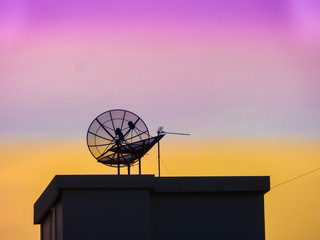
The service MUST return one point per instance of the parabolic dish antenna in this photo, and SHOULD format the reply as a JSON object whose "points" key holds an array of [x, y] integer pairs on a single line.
{"points": [[119, 138]]}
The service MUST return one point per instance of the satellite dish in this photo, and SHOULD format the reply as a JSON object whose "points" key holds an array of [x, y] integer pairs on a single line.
{"points": [[119, 138]]}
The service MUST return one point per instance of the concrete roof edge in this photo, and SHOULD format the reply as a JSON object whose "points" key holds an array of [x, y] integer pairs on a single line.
{"points": [[155, 184], [59, 182], [45, 201], [213, 184]]}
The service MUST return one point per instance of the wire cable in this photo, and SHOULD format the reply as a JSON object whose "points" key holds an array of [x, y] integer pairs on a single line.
{"points": [[165, 167], [302, 175]]}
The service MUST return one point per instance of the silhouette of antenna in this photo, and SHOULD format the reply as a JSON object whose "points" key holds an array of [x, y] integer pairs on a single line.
{"points": [[119, 138], [160, 132]]}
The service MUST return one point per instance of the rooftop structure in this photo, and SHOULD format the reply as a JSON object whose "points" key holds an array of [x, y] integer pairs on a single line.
{"points": [[146, 207]]}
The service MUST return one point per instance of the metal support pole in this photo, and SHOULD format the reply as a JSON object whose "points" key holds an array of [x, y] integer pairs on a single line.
{"points": [[159, 157], [139, 166], [128, 169], [118, 162]]}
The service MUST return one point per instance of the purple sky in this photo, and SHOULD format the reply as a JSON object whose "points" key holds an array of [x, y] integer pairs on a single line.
{"points": [[242, 68]]}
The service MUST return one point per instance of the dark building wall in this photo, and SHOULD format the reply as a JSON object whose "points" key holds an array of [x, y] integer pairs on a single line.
{"points": [[145, 207], [100, 214], [47, 227], [52, 223], [207, 216]]}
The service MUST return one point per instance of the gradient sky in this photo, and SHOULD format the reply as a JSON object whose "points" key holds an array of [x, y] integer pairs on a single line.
{"points": [[242, 77]]}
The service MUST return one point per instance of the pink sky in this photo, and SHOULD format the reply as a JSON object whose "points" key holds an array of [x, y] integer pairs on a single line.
{"points": [[213, 68], [243, 68]]}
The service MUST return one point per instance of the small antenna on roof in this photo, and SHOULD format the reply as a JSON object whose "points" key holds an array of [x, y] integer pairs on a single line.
{"points": [[161, 132]]}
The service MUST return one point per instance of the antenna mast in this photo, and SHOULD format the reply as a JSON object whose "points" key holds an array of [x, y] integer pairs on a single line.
{"points": [[159, 132]]}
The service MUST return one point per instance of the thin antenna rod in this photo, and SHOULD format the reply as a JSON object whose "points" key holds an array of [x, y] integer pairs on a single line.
{"points": [[185, 134]]}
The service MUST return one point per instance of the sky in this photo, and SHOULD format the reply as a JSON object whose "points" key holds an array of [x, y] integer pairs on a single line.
{"points": [[242, 77]]}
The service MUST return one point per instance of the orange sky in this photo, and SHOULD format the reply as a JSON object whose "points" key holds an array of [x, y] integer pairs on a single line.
{"points": [[291, 210]]}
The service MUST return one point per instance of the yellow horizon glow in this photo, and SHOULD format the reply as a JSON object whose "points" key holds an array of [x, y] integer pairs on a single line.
{"points": [[291, 210]]}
